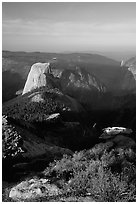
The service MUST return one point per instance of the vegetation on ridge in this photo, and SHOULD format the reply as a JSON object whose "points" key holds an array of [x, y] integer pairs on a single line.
{"points": [[23, 108], [101, 174], [104, 173]]}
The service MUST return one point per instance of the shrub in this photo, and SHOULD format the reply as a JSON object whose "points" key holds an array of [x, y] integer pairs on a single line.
{"points": [[91, 173], [100, 183]]}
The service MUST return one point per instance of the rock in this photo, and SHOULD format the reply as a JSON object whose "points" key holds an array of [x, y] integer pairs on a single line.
{"points": [[19, 92], [57, 73], [111, 132], [122, 63], [53, 117], [33, 189], [36, 97], [37, 77], [120, 136]]}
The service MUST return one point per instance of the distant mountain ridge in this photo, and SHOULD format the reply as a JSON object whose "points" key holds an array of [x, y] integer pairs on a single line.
{"points": [[16, 65]]}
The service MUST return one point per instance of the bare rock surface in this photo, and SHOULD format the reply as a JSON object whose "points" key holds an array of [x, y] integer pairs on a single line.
{"points": [[36, 77], [79, 78], [32, 189], [111, 132]]}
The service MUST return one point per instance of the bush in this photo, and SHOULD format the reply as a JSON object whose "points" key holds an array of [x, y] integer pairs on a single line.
{"points": [[101, 184], [105, 174]]}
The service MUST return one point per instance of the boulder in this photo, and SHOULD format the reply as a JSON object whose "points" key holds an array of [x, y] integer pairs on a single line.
{"points": [[120, 136], [33, 189], [111, 132], [54, 118]]}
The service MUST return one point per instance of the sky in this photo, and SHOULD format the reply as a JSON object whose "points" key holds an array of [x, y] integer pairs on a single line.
{"points": [[63, 27]]}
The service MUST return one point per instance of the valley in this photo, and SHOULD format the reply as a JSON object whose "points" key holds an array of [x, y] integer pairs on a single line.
{"points": [[55, 107]]}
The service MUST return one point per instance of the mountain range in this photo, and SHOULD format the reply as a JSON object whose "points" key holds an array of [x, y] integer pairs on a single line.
{"points": [[16, 65]]}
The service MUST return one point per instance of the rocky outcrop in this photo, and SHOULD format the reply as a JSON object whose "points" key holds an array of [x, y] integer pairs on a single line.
{"points": [[37, 77], [33, 189], [113, 131], [119, 136], [57, 72], [55, 117]]}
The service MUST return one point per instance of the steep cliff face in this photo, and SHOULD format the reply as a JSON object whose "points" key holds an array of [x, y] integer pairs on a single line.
{"points": [[131, 64], [83, 86], [80, 78], [37, 77], [129, 80]]}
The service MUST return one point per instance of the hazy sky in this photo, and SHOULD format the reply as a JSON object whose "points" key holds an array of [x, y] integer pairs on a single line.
{"points": [[58, 27]]}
